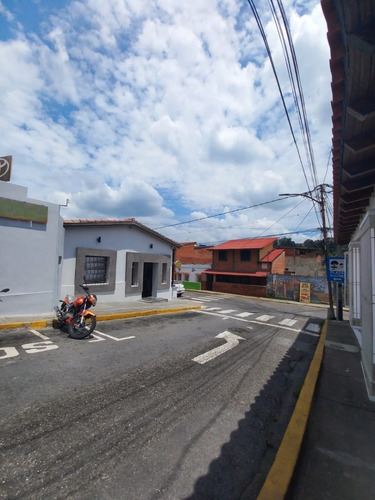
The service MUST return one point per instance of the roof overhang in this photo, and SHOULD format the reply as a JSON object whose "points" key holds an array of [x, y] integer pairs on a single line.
{"points": [[259, 274], [351, 37], [80, 223]]}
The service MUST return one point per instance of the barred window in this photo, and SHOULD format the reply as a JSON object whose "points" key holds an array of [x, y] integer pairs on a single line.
{"points": [[135, 274], [164, 273], [96, 269]]}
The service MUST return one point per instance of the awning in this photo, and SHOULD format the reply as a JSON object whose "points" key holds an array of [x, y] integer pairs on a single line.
{"points": [[258, 274]]}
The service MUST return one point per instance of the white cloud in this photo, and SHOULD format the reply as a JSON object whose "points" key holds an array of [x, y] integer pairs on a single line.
{"points": [[167, 107]]}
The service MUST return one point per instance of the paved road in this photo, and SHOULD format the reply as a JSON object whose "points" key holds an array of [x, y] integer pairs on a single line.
{"points": [[136, 411]]}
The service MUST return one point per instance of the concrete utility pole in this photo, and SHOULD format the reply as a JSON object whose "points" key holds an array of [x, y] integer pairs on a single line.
{"points": [[320, 201]]}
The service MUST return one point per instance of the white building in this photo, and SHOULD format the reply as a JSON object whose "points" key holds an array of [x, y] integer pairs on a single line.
{"points": [[44, 258], [31, 250], [121, 260]]}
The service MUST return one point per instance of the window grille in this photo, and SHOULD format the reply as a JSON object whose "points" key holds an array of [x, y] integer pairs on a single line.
{"points": [[135, 274], [96, 269]]}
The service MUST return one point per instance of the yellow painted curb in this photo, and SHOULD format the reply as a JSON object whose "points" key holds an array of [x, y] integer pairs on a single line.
{"points": [[279, 477], [103, 317], [135, 314]]}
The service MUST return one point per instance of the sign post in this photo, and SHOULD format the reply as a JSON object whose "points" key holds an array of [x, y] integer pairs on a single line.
{"points": [[336, 271]]}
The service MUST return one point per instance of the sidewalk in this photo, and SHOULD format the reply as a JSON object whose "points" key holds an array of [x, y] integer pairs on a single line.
{"points": [[328, 450], [107, 311], [337, 459]]}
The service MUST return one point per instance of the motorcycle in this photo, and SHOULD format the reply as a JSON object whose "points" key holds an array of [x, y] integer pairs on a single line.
{"points": [[74, 314]]}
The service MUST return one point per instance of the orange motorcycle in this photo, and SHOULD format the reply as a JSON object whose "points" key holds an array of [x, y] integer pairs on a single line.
{"points": [[74, 314]]}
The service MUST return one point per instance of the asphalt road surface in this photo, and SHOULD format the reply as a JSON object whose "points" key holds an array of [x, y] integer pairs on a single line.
{"points": [[190, 405]]}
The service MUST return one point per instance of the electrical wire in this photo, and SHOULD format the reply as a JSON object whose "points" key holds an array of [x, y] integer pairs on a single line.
{"points": [[218, 215]]}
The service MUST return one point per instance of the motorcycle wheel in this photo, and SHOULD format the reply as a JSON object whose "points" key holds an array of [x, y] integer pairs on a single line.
{"points": [[78, 330]]}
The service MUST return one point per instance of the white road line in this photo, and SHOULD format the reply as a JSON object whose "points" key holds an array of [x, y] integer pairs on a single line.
{"points": [[211, 308], [244, 315], [288, 322], [228, 311], [114, 338], [264, 317], [254, 321], [38, 334]]}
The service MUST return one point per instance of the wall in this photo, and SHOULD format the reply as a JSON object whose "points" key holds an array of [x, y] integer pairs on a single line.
{"points": [[190, 253], [362, 293], [31, 255], [278, 265], [122, 239], [234, 263], [288, 287], [248, 290]]}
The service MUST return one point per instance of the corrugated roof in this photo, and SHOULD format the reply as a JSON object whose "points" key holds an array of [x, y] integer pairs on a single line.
{"points": [[273, 255], [246, 243], [117, 222]]}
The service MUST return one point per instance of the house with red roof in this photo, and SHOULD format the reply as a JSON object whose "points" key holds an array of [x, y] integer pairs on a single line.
{"points": [[242, 266]]}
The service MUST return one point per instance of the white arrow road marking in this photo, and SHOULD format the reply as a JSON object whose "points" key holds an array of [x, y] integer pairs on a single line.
{"points": [[232, 341]]}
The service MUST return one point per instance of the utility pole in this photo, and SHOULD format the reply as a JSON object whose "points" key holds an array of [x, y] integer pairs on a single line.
{"points": [[320, 201]]}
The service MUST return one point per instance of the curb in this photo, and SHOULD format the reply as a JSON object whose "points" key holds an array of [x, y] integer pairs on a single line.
{"points": [[280, 475], [102, 317]]}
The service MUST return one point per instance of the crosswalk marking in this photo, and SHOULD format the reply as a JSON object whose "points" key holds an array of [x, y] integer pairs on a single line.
{"points": [[288, 322], [313, 327], [244, 315], [264, 317]]}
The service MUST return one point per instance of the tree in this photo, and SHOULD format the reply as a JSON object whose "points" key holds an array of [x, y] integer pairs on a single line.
{"points": [[285, 242]]}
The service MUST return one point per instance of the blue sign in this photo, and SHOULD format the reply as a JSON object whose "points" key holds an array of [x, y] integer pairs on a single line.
{"points": [[336, 269]]}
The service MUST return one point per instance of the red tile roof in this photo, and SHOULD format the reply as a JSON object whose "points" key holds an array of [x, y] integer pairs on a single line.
{"points": [[246, 243], [273, 255]]}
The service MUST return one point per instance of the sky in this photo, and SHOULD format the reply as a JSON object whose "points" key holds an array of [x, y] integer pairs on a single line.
{"points": [[168, 112]]}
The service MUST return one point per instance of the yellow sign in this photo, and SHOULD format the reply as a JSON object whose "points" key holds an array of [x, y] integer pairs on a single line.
{"points": [[178, 264], [304, 293]]}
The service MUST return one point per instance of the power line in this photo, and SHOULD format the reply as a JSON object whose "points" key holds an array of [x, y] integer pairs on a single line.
{"points": [[218, 215]]}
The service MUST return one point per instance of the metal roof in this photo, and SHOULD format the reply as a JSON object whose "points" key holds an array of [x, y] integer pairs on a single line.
{"points": [[351, 37]]}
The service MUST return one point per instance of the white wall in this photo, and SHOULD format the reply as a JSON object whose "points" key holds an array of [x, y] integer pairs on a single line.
{"points": [[122, 239], [362, 292], [29, 263]]}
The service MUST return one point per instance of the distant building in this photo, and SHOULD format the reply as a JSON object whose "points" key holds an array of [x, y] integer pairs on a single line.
{"points": [[301, 261], [191, 260], [242, 266]]}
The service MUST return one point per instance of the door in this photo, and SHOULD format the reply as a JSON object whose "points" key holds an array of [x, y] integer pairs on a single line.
{"points": [[147, 279]]}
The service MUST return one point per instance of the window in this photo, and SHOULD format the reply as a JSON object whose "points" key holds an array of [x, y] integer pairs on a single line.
{"points": [[222, 255], [245, 255], [96, 270], [164, 273], [135, 274]]}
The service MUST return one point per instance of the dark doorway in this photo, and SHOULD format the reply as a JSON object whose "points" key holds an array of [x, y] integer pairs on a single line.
{"points": [[209, 281], [147, 280]]}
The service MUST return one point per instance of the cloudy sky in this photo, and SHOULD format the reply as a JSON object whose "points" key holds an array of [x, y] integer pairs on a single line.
{"points": [[165, 111]]}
